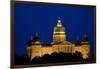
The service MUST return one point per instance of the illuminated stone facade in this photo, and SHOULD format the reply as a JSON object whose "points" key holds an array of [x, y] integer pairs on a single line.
{"points": [[36, 48]]}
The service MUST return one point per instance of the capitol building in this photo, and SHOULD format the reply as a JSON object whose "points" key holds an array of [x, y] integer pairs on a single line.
{"points": [[59, 44]]}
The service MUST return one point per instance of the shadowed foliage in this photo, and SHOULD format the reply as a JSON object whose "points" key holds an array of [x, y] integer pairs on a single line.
{"points": [[53, 58]]}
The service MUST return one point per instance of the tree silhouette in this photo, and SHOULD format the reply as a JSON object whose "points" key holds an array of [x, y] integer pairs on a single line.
{"points": [[53, 58]]}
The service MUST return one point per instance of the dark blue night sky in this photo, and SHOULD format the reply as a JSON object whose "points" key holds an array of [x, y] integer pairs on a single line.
{"points": [[29, 19]]}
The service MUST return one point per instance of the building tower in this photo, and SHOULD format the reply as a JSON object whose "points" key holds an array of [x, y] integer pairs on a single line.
{"points": [[34, 46], [59, 33], [85, 47], [78, 45]]}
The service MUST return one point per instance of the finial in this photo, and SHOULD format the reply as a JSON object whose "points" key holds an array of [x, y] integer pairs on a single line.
{"points": [[85, 38], [77, 38], [31, 37], [59, 18], [78, 42], [59, 22], [85, 35], [36, 34]]}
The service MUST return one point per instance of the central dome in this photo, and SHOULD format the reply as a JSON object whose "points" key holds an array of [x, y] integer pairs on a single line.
{"points": [[59, 35], [34, 41]]}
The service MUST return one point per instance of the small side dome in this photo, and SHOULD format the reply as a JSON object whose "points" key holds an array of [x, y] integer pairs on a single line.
{"points": [[85, 40], [34, 41], [78, 42]]}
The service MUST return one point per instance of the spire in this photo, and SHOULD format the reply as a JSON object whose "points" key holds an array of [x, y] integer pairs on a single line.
{"points": [[36, 38], [78, 42], [85, 38], [59, 22], [77, 38], [31, 37], [36, 34]]}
